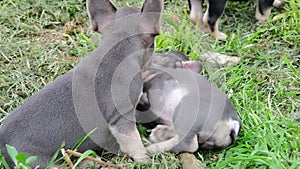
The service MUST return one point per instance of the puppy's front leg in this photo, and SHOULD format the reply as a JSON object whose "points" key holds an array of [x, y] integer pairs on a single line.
{"points": [[130, 141], [196, 13], [263, 10], [214, 10]]}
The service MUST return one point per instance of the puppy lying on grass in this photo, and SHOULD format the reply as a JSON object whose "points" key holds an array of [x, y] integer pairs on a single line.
{"points": [[191, 112]]}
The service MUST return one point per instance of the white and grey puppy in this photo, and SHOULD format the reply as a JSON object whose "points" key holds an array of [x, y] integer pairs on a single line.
{"points": [[84, 98], [191, 112], [172, 59]]}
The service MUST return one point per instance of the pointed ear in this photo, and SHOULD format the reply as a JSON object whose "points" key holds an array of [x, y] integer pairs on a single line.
{"points": [[101, 13], [152, 11], [195, 66]]}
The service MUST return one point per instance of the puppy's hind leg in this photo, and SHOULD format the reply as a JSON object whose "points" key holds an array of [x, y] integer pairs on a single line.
{"points": [[263, 10], [214, 10]]}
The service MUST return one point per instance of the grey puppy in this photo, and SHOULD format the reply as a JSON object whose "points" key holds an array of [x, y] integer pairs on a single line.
{"points": [[191, 112], [172, 59], [87, 97]]}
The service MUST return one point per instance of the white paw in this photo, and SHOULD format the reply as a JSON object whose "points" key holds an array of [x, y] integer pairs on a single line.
{"points": [[203, 28], [164, 145], [144, 159], [277, 3], [193, 17], [161, 133], [262, 18], [153, 148], [219, 35]]}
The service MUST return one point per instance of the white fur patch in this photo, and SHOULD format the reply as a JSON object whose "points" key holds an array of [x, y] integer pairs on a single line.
{"points": [[233, 124], [223, 130], [217, 34], [205, 21], [172, 99], [277, 3], [194, 145], [196, 12], [221, 135], [131, 144], [161, 133], [164, 145], [262, 18], [176, 97]]}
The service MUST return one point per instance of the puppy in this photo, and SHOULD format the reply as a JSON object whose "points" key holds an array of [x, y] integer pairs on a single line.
{"points": [[215, 8], [89, 96], [191, 112], [174, 60]]}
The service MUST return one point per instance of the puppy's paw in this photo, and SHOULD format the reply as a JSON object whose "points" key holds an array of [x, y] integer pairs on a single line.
{"points": [[154, 148], [144, 159], [277, 3], [203, 28], [163, 146], [219, 35], [262, 17], [161, 133], [193, 17]]}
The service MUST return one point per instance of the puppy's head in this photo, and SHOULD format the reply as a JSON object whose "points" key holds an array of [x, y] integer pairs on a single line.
{"points": [[175, 60], [128, 21], [225, 132]]}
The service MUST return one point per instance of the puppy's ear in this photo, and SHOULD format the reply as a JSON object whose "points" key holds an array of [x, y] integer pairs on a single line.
{"points": [[195, 66], [101, 13], [180, 55], [151, 17]]}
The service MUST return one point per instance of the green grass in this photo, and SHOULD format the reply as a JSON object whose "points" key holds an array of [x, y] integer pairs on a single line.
{"points": [[40, 40]]}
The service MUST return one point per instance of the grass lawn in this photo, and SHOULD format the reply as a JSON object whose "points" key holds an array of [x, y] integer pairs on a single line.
{"points": [[40, 40]]}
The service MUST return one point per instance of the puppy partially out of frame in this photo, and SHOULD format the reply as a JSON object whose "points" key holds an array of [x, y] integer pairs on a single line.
{"points": [[209, 22], [187, 111], [89, 96]]}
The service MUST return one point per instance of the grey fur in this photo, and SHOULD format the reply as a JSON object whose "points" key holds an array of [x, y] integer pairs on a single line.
{"points": [[189, 108], [79, 101]]}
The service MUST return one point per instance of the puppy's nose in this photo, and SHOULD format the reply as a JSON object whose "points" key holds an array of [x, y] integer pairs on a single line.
{"points": [[232, 134]]}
